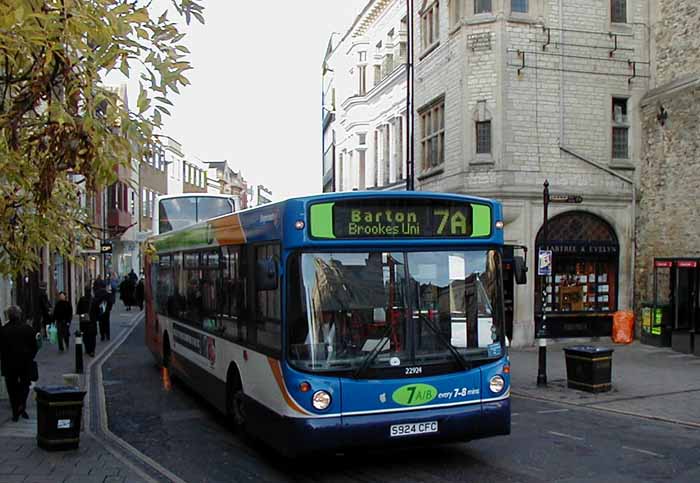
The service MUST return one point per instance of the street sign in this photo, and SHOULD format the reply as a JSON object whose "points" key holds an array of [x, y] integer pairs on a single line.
{"points": [[565, 198], [544, 263]]}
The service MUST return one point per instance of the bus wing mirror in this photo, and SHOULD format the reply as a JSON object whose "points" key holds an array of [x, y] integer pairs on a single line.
{"points": [[266, 275], [519, 270]]}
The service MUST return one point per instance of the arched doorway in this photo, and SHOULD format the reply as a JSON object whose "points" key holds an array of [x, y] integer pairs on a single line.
{"points": [[580, 296]]}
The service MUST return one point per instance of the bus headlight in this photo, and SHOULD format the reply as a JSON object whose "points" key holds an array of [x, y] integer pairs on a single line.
{"points": [[496, 384], [321, 400]]}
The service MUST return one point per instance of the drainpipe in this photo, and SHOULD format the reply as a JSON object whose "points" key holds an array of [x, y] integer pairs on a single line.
{"points": [[629, 181]]}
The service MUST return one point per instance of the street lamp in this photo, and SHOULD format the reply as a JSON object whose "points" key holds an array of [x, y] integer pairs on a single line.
{"points": [[410, 125]]}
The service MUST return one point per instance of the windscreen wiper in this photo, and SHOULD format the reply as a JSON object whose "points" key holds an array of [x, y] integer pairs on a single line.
{"points": [[441, 337], [375, 351]]}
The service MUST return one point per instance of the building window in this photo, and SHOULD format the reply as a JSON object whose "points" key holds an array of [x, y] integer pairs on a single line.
{"points": [[430, 25], [388, 65], [363, 56], [455, 12], [398, 147], [363, 79], [482, 6], [362, 139], [620, 129], [433, 135], [483, 137], [519, 6], [386, 153], [377, 74], [618, 11]]}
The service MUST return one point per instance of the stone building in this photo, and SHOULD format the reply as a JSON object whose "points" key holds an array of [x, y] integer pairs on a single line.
{"points": [[510, 93], [364, 97], [668, 232]]}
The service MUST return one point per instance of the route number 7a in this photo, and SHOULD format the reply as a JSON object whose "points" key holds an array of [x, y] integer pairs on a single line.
{"points": [[458, 222]]}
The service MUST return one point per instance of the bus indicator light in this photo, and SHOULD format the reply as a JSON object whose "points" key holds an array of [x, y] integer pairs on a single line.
{"points": [[499, 225], [304, 387], [299, 225]]}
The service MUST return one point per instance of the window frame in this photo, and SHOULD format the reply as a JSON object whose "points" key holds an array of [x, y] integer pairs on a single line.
{"points": [[520, 12], [618, 11], [430, 25], [484, 10], [479, 145], [622, 125], [431, 130]]}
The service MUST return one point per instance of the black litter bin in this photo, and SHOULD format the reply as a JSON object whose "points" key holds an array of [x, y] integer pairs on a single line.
{"points": [[59, 414], [589, 368]]}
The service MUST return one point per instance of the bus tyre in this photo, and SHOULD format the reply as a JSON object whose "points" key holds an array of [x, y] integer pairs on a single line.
{"points": [[235, 402]]}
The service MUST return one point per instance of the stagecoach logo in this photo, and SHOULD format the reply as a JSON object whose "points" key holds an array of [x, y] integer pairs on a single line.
{"points": [[382, 398], [395, 361]]}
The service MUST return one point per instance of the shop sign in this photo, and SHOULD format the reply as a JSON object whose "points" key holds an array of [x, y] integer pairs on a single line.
{"points": [[663, 264], [565, 198], [646, 319], [544, 263], [106, 247], [583, 249], [687, 264]]}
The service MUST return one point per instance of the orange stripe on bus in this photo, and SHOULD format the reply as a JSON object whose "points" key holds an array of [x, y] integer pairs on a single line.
{"points": [[277, 372]]}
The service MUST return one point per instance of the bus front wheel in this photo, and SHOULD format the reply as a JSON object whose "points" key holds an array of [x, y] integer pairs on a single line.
{"points": [[235, 401]]}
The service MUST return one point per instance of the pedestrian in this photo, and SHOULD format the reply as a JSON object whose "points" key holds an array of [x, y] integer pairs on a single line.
{"points": [[133, 277], [140, 293], [18, 348], [43, 310], [97, 306], [83, 311], [126, 292], [100, 307], [114, 286], [63, 315], [98, 281]]}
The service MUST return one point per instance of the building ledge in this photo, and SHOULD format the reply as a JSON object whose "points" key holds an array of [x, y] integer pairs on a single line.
{"points": [[431, 172], [429, 50], [622, 164]]}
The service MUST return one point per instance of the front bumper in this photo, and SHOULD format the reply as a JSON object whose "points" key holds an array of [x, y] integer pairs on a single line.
{"points": [[461, 423]]}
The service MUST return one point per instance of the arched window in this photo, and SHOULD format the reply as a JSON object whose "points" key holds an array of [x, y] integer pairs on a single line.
{"points": [[585, 259]]}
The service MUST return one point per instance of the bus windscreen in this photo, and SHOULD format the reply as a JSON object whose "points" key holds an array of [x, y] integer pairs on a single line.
{"points": [[399, 218]]}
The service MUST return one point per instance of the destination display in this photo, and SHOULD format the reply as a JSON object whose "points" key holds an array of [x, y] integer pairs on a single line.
{"points": [[393, 218]]}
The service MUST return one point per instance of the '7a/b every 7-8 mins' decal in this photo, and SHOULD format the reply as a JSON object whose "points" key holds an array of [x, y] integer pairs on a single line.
{"points": [[417, 394]]}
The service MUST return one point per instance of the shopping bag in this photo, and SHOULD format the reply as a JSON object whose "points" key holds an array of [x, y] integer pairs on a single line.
{"points": [[53, 334]]}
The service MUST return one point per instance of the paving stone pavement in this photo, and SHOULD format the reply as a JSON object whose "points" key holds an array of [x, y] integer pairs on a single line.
{"points": [[21, 460], [653, 382]]}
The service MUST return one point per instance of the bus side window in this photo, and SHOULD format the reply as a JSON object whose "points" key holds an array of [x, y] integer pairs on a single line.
{"points": [[232, 294], [268, 310]]}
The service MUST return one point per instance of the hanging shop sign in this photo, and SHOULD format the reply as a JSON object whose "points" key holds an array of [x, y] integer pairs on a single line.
{"points": [[544, 263]]}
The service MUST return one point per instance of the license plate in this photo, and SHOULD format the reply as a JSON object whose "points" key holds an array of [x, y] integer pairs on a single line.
{"points": [[409, 429]]}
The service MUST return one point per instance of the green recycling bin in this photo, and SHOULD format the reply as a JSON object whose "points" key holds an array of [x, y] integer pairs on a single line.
{"points": [[59, 416], [656, 325]]}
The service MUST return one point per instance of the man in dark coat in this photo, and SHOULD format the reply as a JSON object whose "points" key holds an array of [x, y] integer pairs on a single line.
{"points": [[43, 310], [18, 347], [140, 293], [99, 313], [63, 315]]}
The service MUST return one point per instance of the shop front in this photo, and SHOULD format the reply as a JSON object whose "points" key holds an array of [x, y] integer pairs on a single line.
{"points": [[580, 296], [675, 310]]}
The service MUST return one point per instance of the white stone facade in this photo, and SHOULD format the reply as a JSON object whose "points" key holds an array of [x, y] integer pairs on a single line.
{"points": [[547, 88], [369, 100], [543, 82]]}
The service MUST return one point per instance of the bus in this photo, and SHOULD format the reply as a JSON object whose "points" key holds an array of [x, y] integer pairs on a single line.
{"points": [[340, 320]]}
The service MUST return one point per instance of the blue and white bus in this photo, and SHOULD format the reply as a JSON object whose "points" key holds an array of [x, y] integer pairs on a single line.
{"points": [[339, 320]]}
